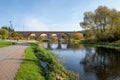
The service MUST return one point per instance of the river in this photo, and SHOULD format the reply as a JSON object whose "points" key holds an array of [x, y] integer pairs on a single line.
{"points": [[91, 63]]}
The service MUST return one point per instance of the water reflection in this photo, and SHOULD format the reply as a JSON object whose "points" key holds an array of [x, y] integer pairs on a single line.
{"points": [[76, 46], [104, 62], [62, 46], [90, 62]]}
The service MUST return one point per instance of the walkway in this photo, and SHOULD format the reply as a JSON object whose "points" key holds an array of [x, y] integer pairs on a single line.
{"points": [[10, 58]]}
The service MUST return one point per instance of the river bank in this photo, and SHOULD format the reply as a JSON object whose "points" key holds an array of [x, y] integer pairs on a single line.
{"points": [[55, 70], [102, 44], [115, 45], [46, 66]]}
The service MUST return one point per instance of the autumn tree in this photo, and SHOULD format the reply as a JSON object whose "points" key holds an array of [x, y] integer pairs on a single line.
{"points": [[88, 24], [16, 36], [32, 37], [43, 38], [77, 36], [104, 22]]}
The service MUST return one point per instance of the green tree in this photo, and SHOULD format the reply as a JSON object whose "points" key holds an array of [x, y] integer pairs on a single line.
{"points": [[8, 28], [4, 33]]}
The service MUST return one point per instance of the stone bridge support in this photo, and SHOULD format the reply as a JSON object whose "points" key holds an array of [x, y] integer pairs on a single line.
{"points": [[48, 36], [69, 39], [59, 41], [37, 37]]}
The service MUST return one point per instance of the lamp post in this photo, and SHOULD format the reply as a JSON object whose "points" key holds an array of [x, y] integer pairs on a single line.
{"points": [[10, 29]]}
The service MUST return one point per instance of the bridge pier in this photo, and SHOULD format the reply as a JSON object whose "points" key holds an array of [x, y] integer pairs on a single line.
{"points": [[48, 45], [59, 44], [59, 41], [68, 45], [37, 36], [69, 41], [48, 37]]}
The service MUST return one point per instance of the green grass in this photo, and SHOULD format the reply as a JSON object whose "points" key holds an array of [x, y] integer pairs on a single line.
{"points": [[30, 68], [102, 44], [4, 44]]}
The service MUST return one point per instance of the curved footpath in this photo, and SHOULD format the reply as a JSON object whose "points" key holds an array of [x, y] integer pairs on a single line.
{"points": [[10, 59]]}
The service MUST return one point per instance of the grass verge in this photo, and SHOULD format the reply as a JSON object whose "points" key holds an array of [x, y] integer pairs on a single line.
{"points": [[4, 44], [30, 68], [56, 70], [102, 44]]}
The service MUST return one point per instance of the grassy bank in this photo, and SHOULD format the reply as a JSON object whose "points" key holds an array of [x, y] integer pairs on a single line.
{"points": [[102, 44], [4, 44], [55, 70], [30, 68]]}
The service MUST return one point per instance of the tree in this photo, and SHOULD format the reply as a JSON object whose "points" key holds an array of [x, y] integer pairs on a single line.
{"points": [[4, 33], [0, 36], [88, 22], [64, 38], [96, 20], [104, 22], [8, 28], [77, 36], [32, 37], [16, 36], [54, 38], [43, 38]]}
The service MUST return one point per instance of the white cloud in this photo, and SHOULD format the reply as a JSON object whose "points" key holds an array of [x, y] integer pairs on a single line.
{"points": [[33, 24]]}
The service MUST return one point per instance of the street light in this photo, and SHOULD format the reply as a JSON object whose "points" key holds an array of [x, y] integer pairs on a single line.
{"points": [[10, 29]]}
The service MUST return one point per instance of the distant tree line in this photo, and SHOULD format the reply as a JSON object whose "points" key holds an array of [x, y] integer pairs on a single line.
{"points": [[8, 28], [102, 25], [9, 33]]}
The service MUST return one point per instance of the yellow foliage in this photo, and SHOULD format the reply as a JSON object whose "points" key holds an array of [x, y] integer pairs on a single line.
{"points": [[77, 36]]}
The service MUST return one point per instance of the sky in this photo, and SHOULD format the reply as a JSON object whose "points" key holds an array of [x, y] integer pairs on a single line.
{"points": [[49, 15]]}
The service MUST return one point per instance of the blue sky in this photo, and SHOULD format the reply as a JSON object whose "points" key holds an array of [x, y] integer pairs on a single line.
{"points": [[48, 15]]}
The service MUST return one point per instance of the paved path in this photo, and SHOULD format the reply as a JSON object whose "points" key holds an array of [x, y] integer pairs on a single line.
{"points": [[10, 59]]}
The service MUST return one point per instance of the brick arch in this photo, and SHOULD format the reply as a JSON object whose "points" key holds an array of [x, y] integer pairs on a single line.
{"points": [[36, 34], [68, 35], [28, 34], [48, 33]]}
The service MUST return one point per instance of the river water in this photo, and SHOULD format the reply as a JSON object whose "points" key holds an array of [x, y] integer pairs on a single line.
{"points": [[91, 63]]}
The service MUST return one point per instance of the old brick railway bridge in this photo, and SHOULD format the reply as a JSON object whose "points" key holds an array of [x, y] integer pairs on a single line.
{"points": [[26, 34]]}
